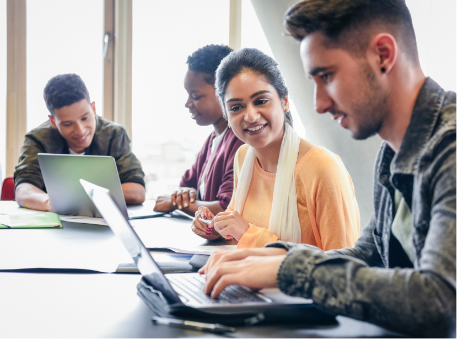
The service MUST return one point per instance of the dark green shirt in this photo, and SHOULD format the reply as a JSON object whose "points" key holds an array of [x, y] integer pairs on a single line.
{"points": [[110, 139]]}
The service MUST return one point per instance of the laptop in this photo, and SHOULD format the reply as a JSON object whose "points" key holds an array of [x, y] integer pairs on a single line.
{"points": [[184, 289], [61, 174]]}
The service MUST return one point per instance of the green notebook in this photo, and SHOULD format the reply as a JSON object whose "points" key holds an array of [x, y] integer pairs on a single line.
{"points": [[32, 220]]}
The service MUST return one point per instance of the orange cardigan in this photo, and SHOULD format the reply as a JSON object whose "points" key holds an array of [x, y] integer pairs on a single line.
{"points": [[327, 208]]}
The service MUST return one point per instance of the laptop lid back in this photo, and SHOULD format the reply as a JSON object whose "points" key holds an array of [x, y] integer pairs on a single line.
{"points": [[126, 234], [61, 174]]}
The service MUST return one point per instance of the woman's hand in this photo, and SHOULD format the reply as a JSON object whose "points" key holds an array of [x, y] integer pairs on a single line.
{"points": [[183, 196], [252, 272], [230, 225], [219, 257], [200, 228]]}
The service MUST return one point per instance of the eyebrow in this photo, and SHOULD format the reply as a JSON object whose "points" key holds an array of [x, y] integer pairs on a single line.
{"points": [[316, 70], [82, 116], [252, 96]]}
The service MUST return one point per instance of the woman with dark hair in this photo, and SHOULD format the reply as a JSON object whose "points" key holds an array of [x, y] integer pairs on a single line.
{"points": [[209, 182], [285, 187]]}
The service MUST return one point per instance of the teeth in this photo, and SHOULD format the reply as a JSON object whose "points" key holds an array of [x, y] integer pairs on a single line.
{"points": [[255, 128], [340, 118]]}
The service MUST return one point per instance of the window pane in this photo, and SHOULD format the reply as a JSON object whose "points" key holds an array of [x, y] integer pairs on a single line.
{"points": [[252, 36], [165, 138], [2, 90], [63, 36]]}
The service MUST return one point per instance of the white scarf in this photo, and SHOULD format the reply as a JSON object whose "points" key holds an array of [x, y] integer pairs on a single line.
{"points": [[284, 220]]}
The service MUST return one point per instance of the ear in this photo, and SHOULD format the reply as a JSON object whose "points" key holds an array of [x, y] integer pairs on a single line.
{"points": [[285, 103], [53, 122], [93, 107], [384, 49]]}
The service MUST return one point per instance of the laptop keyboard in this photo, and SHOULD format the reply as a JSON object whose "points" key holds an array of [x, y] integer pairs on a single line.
{"points": [[190, 286]]}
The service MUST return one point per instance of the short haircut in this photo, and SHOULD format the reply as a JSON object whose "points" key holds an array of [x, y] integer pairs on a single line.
{"points": [[64, 90], [207, 59], [348, 24], [250, 59]]}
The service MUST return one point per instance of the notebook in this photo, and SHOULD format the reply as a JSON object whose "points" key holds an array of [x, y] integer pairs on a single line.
{"points": [[31, 220]]}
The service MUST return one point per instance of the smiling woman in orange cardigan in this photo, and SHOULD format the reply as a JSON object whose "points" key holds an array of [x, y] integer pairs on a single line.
{"points": [[327, 208]]}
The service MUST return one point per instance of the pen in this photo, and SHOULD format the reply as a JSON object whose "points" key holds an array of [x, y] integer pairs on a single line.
{"points": [[193, 325]]}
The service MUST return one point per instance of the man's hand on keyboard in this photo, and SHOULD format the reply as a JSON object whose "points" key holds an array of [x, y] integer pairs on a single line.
{"points": [[255, 272], [220, 257]]}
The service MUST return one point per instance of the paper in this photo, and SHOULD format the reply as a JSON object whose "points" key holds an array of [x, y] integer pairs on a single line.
{"points": [[207, 250], [73, 247], [83, 220]]}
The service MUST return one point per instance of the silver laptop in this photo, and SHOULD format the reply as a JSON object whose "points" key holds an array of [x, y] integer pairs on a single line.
{"points": [[179, 288], [61, 174]]}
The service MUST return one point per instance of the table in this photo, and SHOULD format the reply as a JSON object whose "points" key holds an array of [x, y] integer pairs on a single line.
{"points": [[106, 305], [56, 303]]}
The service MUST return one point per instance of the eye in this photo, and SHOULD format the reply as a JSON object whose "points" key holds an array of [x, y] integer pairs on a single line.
{"points": [[196, 97], [261, 101], [325, 77], [66, 124], [235, 108]]}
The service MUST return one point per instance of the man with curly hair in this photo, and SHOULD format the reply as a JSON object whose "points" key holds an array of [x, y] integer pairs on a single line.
{"points": [[210, 180], [74, 128], [401, 274]]}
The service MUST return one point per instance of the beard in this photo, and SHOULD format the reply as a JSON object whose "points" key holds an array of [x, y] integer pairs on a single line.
{"points": [[370, 111]]}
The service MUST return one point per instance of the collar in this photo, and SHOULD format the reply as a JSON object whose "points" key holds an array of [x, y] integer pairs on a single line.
{"points": [[423, 120]]}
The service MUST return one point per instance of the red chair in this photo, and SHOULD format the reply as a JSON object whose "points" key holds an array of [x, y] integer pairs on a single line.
{"points": [[8, 189]]}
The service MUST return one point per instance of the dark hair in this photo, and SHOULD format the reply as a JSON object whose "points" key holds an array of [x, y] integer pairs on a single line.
{"points": [[207, 59], [348, 24], [250, 59], [64, 90]]}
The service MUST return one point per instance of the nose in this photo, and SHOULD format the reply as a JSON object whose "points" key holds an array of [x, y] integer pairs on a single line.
{"points": [[188, 102], [79, 129], [322, 101], [251, 114]]}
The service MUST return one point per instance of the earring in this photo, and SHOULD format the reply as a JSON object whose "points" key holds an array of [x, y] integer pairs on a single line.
{"points": [[229, 125], [383, 69]]}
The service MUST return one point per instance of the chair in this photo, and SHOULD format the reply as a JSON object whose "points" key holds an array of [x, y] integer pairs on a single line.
{"points": [[8, 189]]}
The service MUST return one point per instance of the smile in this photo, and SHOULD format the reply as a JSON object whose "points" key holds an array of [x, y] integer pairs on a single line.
{"points": [[256, 129]]}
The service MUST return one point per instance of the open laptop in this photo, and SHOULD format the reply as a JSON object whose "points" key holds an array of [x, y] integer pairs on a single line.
{"points": [[181, 288], [61, 174]]}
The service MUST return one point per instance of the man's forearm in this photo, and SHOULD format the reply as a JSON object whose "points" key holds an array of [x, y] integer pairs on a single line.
{"points": [[30, 196], [406, 300], [134, 193]]}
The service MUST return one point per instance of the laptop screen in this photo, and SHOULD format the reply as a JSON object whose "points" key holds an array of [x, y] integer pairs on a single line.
{"points": [[127, 235]]}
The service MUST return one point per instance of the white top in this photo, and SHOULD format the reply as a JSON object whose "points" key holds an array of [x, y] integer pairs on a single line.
{"points": [[214, 146], [74, 153]]}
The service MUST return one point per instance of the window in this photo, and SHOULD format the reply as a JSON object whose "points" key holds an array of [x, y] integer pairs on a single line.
{"points": [[252, 36], [165, 138], [2, 91], [63, 37]]}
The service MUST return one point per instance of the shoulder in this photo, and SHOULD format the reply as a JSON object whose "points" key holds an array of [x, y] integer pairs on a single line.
{"points": [[241, 154], [319, 162], [42, 131], [108, 128]]}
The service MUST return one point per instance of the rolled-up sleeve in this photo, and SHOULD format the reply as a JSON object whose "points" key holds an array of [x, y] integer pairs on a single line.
{"points": [[28, 169], [128, 166]]}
